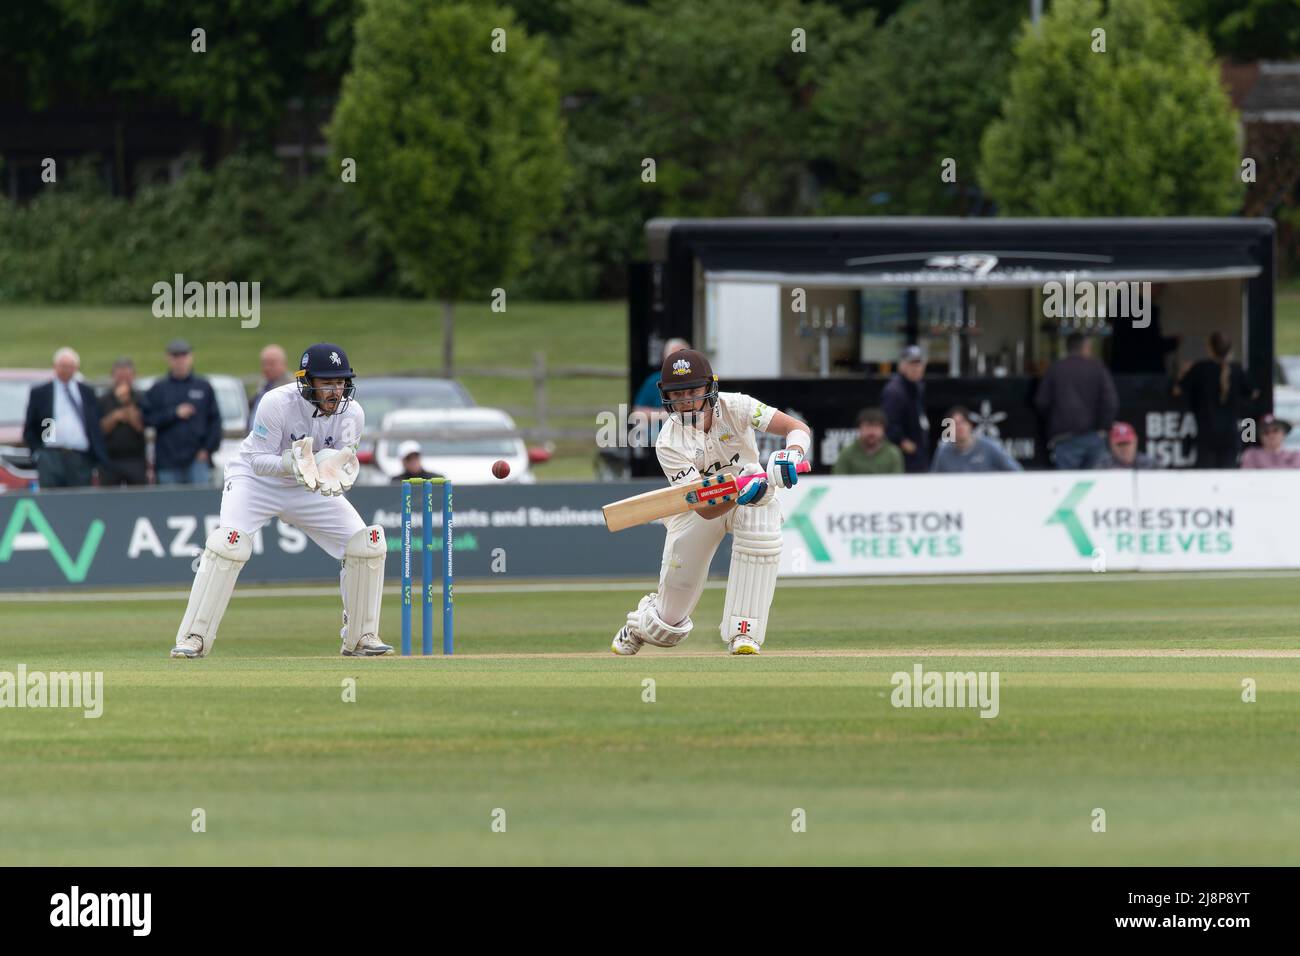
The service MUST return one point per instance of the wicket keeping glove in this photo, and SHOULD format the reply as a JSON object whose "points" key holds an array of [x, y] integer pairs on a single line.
{"points": [[338, 470], [299, 462]]}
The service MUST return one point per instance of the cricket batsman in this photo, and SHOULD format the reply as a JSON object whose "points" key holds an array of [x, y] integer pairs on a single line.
{"points": [[709, 432], [296, 463]]}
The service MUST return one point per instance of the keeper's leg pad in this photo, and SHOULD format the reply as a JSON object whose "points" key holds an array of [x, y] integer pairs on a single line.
{"points": [[646, 624], [751, 582], [362, 584], [224, 555]]}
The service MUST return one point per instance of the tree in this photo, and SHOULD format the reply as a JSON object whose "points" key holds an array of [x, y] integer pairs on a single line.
{"points": [[458, 149], [1246, 30], [712, 93], [1143, 129], [922, 89], [258, 54]]}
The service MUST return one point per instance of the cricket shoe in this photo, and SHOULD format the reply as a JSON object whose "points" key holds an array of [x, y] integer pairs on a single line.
{"points": [[625, 644], [744, 645], [188, 647], [368, 646]]}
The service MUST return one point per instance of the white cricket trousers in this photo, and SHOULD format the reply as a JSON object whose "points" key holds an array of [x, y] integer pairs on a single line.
{"points": [[248, 504], [688, 551]]}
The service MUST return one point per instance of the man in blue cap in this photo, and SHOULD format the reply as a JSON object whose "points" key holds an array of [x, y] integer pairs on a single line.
{"points": [[903, 401], [181, 408]]}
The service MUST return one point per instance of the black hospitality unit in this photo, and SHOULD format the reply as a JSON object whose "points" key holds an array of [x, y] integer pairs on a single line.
{"points": [[809, 314]]}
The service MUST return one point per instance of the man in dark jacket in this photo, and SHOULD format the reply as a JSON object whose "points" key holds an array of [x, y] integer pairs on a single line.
{"points": [[903, 401], [61, 428], [1141, 350], [182, 409], [1078, 402]]}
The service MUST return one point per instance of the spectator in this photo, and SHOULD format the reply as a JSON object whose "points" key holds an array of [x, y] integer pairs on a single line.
{"points": [[412, 466], [968, 452], [903, 399], [1123, 450], [1269, 453], [182, 408], [275, 372], [1142, 350], [872, 453], [1078, 402], [62, 427], [647, 397], [1216, 390], [648, 413], [123, 428]]}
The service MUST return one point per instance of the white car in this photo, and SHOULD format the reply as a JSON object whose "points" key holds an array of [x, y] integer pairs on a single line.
{"points": [[1287, 370], [457, 443]]}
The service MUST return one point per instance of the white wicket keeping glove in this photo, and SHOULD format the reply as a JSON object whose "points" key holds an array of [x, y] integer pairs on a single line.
{"points": [[338, 470], [781, 467], [299, 461], [756, 490]]}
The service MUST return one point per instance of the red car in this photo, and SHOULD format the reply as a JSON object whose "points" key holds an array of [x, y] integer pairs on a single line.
{"points": [[16, 468]]}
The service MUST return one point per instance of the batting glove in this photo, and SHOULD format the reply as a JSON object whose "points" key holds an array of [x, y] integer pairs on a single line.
{"points": [[781, 467], [756, 489]]}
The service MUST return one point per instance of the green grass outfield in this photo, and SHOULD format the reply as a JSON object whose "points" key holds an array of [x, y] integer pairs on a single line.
{"points": [[534, 716]]}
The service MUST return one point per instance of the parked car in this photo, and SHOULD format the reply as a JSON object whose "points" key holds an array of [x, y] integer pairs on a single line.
{"points": [[384, 394], [1286, 370], [17, 470], [232, 406], [461, 444], [15, 385]]}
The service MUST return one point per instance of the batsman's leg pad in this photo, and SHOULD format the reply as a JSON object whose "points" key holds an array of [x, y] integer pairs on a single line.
{"points": [[646, 624], [751, 582], [224, 555], [362, 583]]}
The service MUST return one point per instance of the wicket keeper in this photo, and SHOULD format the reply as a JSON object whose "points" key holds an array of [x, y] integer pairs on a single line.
{"points": [[296, 463], [708, 432]]}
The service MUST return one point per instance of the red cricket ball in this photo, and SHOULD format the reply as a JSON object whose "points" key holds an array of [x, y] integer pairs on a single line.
{"points": [[500, 468]]}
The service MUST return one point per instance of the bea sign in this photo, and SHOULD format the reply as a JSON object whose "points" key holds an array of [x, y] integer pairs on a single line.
{"points": [[1166, 434]]}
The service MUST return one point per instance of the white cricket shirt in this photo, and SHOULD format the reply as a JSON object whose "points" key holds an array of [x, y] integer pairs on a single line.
{"points": [[283, 417], [686, 453]]}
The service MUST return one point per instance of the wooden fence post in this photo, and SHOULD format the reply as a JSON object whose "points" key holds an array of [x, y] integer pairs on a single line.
{"points": [[539, 386]]}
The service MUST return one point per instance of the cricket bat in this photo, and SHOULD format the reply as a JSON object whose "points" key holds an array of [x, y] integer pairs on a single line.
{"points": [[707, 492]]}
